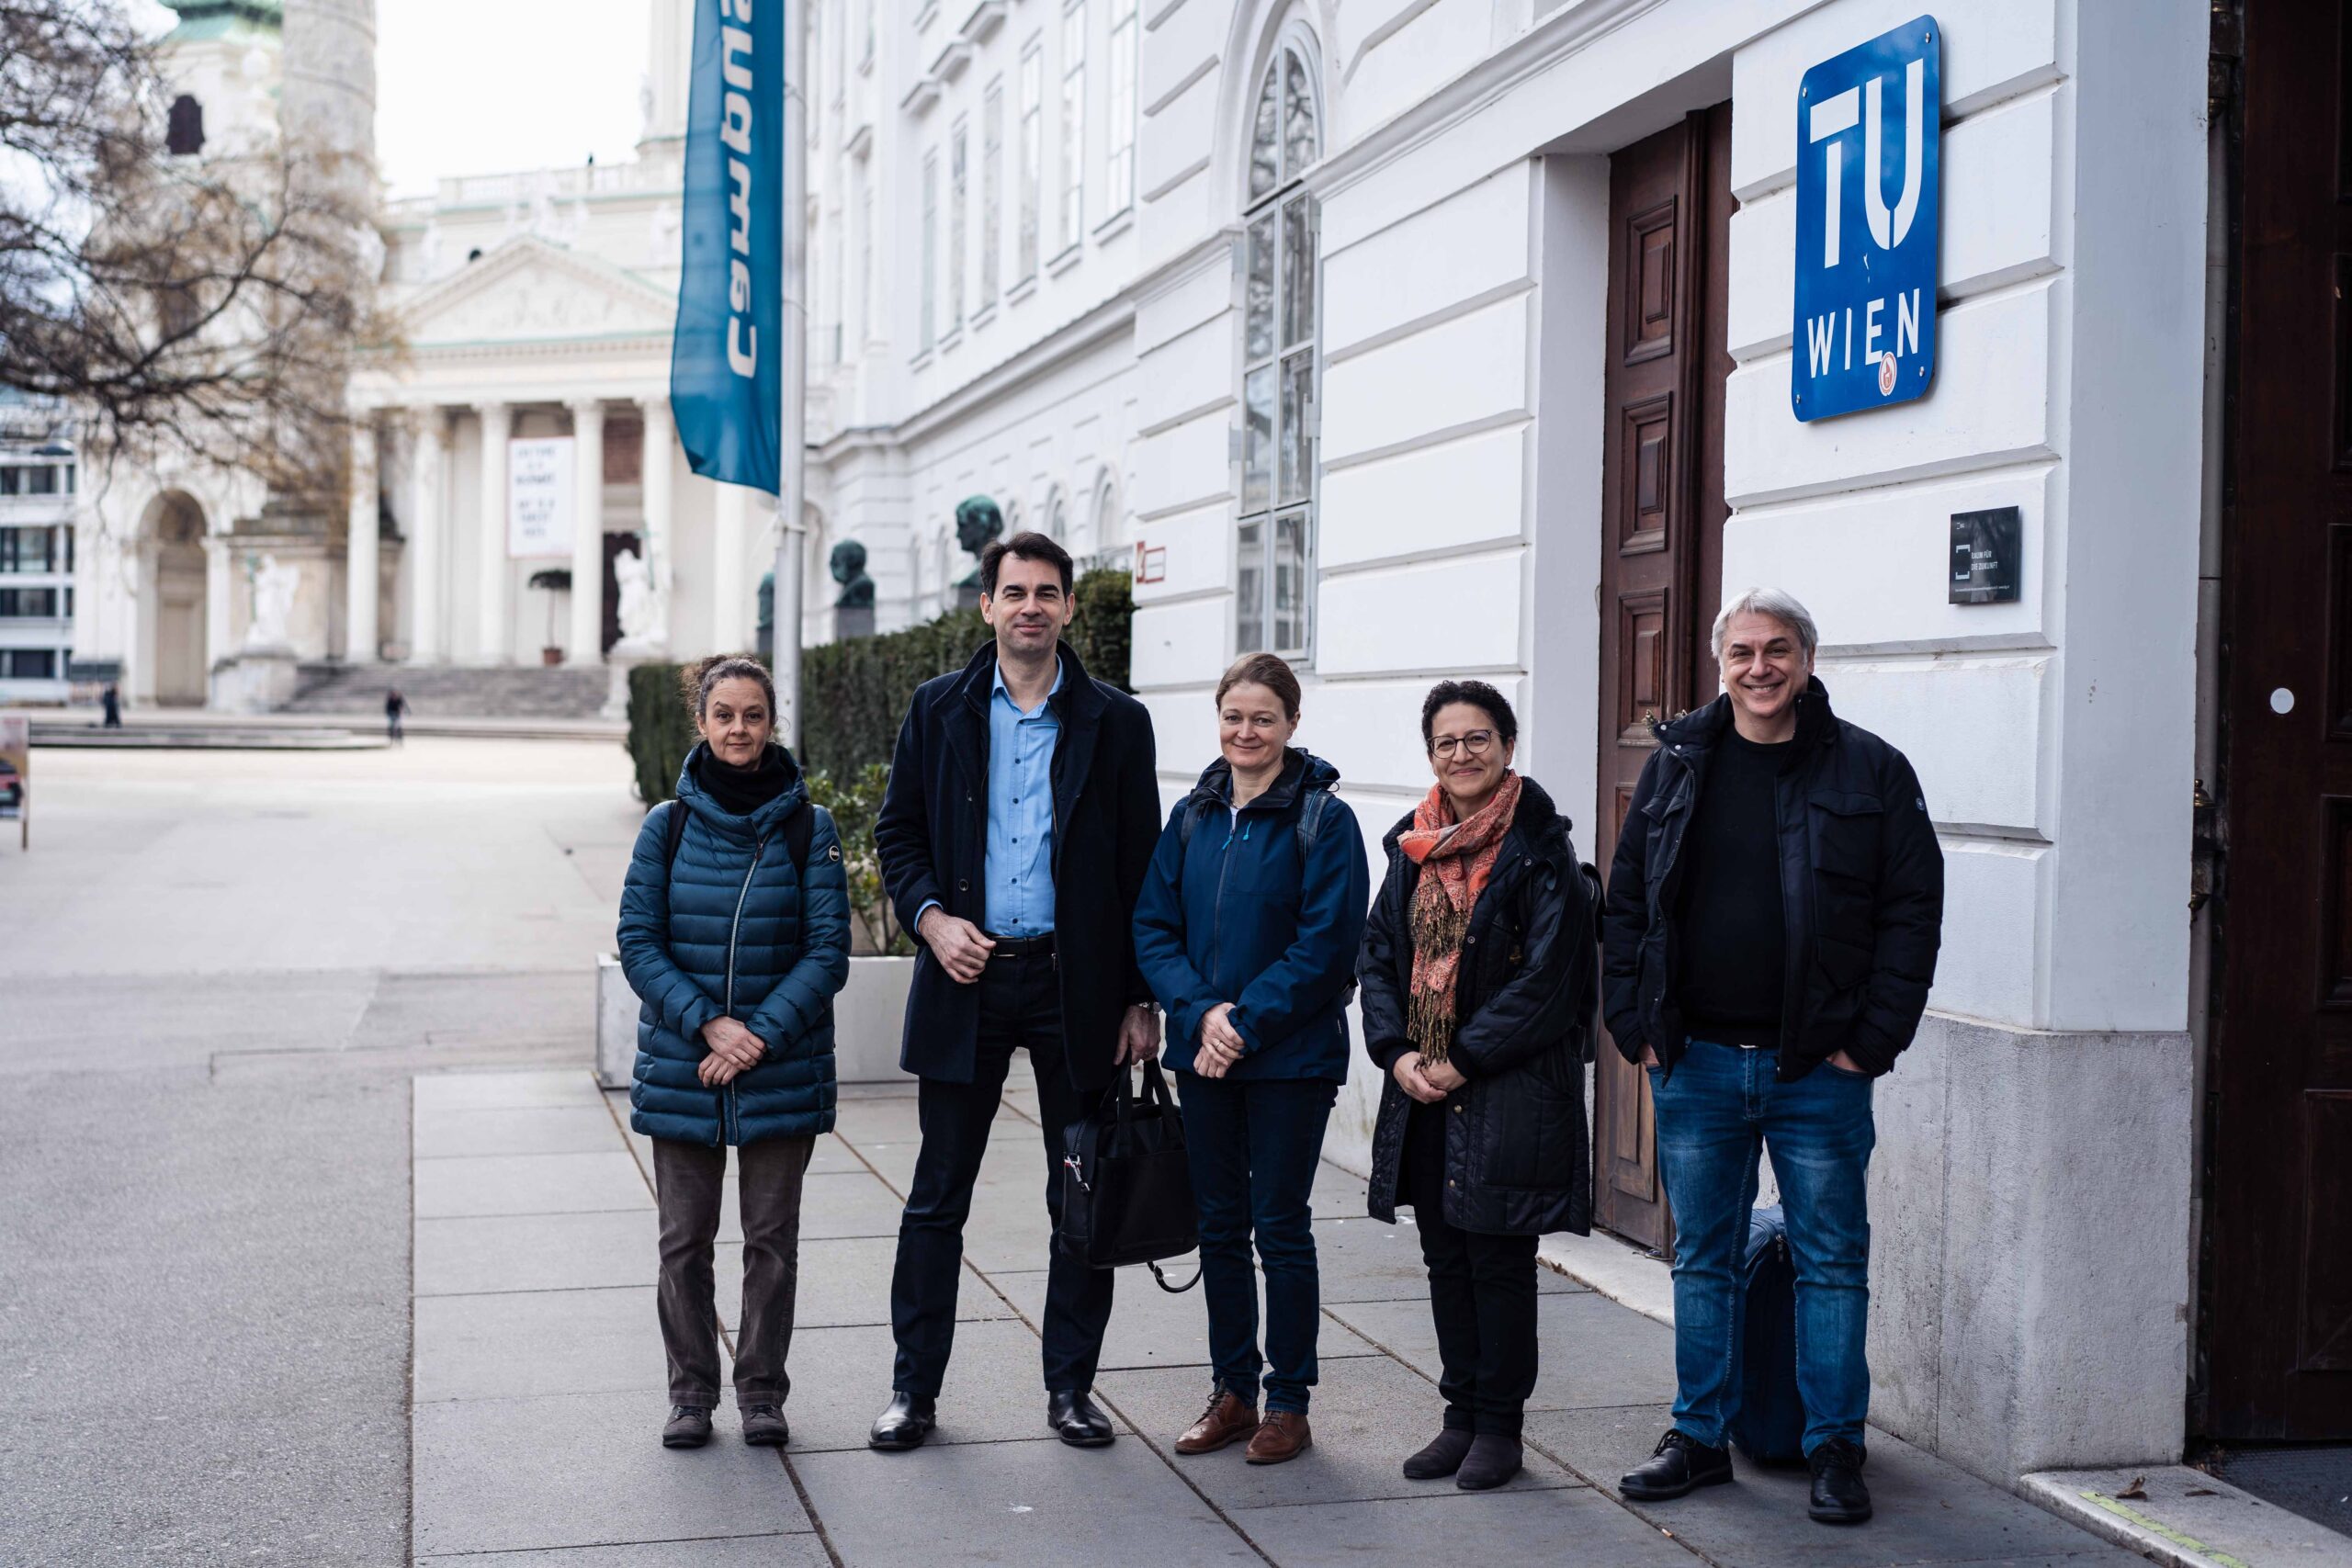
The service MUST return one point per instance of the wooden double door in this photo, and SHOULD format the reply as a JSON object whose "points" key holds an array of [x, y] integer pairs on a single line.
{"points": [[2276, 1332], [1661, 547]]}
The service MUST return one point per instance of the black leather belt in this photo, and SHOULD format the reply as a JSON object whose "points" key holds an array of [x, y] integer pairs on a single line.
{"points": [[1021, 946]]}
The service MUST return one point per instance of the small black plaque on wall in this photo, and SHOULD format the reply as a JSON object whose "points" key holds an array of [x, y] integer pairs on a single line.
{"points": [[1984, 549]]}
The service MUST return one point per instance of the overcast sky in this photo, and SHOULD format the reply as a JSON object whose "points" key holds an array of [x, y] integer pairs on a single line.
{"points": [[485, 87]]}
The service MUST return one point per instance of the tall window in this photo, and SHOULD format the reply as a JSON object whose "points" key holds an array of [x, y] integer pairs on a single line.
{"points": [[1119, 157], [991, 190], [1073, 124], [1032, 109], [864, 260], [958, 161], [1276, 553], [930, 333]]}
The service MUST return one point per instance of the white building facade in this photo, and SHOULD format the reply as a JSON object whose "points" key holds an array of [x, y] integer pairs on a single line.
{"points": [[39, 481], [1419, 338]]}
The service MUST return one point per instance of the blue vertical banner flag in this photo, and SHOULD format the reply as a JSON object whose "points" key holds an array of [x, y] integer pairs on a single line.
{"points": [[1870, 132], [727, 358]]}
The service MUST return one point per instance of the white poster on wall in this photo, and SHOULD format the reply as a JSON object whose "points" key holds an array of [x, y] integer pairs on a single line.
{"points": [[538, 498]]}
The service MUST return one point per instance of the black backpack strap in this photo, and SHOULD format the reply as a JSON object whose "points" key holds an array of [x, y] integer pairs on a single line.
{"points": [[799, 831], [674, 832]]}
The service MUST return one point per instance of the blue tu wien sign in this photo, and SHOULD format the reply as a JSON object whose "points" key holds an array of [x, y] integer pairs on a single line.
{"points": [[1869, 138]]}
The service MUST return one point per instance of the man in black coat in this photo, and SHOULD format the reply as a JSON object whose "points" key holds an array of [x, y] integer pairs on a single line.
{"points": [[1774, 911], [1022, 814]]}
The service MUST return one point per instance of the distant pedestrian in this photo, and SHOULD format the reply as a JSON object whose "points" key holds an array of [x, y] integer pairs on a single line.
{"points": [[1246, 931], [395, 706], [1023, 808], [1479, 979], [111, 700], [1774, 911], [734, 934]]}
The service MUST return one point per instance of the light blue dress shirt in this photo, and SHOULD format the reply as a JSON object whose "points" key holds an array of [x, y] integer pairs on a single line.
{"points": [[1020, 870]]}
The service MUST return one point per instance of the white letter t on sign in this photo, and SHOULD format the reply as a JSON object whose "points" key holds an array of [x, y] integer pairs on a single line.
{"points": [[1831, 118]]}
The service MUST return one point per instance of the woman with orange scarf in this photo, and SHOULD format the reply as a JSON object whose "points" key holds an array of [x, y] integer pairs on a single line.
{"points": [[1479, 973]]}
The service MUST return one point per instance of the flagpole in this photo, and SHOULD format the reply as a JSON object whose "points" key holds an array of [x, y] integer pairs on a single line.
{"points": [[791, 507]]}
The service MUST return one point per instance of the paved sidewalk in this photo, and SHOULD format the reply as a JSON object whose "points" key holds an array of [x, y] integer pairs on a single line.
{"points": [[538, 1392]]}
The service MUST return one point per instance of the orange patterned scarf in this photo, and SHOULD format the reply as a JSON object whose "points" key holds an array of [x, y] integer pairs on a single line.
{"points": [[1456, 859]]}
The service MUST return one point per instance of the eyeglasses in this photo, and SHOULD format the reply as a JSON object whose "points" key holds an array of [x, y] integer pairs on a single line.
{"points": [[1477, 743]]}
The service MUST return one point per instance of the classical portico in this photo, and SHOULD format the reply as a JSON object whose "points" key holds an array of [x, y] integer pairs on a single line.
{"points": [[536, 342]]}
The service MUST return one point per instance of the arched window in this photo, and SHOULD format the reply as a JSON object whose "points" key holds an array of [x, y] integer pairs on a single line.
{"points": [[1274, 583], [1110, 530], [184, 131]]}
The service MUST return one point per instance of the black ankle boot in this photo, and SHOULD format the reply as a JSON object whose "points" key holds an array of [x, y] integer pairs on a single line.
{"points": [[1494, 1458], [1443, 1457], [1680, 1462]]}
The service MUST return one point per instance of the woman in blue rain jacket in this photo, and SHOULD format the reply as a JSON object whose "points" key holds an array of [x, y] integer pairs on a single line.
{"points": [[1247, 931], [734, 934]]}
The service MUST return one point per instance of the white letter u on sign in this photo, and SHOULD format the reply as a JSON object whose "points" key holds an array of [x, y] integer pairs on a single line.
{"points": [[1888, 228]]}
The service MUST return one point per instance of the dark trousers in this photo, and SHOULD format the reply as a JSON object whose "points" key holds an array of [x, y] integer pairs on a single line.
{"points": [[1252, 1145], [1482, 1293], [1020, 1010], [688, 1181]]}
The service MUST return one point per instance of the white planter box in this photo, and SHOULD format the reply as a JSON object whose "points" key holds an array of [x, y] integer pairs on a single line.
{"points": [[868, 1016], [869, 1020]]}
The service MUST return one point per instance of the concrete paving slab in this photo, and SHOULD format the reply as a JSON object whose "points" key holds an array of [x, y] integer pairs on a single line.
{"points": [[726, 1551], [1150, 1327], [535, 1252], [1364, 1260], [845, 1283], [1369, 1413], [1925, 1510], [441, 1133], [1337, 1194], [506, 1091], [584, 1469], [1031, 1502], [1562, 1524], [529, 1184], [994, 1391], [2186, 1518], [481, 1009], [896, 1119], [538, 1342], [849, 1204], [1591, 1352]]}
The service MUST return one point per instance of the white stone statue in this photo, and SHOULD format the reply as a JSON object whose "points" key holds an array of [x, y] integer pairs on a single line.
{"points": [[274, 584], [643, 615]]}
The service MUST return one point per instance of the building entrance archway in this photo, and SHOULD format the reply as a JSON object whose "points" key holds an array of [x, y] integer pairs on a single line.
{"points": [[173, 567]]}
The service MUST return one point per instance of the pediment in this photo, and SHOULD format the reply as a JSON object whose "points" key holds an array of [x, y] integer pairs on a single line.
{"points": [[530, 291]]}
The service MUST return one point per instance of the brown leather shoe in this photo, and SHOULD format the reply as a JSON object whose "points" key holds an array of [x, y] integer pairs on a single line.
{"points": [[1226, 1421], [1282, 1436]]}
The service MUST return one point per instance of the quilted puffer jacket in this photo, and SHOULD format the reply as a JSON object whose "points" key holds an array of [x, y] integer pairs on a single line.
{"points": [[733, 926]]}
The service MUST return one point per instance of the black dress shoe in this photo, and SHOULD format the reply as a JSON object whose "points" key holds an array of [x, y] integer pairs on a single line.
{"points": [[1493, 1459], [765, 1426], [1839, 1495], [904, 1423], [1681, 1461], [1075, 1420], [1441, 1456]]}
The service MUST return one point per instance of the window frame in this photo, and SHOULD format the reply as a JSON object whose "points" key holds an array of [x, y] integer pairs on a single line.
{"points": [[992, 195], [1266, 507], [1027, 255], [959, 177], [927, 331], [1071, 128]]}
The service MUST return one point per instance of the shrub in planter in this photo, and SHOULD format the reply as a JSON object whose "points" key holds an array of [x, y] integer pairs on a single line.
{"points": [[661, 730], [854, 801]]}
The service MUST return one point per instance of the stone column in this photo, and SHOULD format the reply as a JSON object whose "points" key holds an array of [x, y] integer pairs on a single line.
{"points": [[731, 630], [428, 527], [587, 641], [658, 474], [220, 585], [362, 572], [497, 423]]}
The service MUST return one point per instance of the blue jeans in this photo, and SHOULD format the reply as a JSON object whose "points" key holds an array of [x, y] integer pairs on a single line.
{"points": [[1713, 1114], [1254, 1145]]}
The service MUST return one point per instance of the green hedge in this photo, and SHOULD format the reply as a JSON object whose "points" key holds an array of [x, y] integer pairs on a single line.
{"points": [[855, 694]]}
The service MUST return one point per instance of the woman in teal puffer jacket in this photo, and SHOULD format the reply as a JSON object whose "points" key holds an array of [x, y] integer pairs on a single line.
{"points": [[734, 934]]}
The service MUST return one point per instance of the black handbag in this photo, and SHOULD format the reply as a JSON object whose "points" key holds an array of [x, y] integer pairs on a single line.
{"points": [[1127, 1185]]}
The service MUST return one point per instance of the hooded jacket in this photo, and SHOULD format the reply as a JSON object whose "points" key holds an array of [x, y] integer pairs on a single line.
{"points": [[1862, 893], [1240, 916], [1518, 1161], [730, 927]]}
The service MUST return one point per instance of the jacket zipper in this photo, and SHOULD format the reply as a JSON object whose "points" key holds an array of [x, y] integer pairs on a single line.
{"points": [[727, 1107]]}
